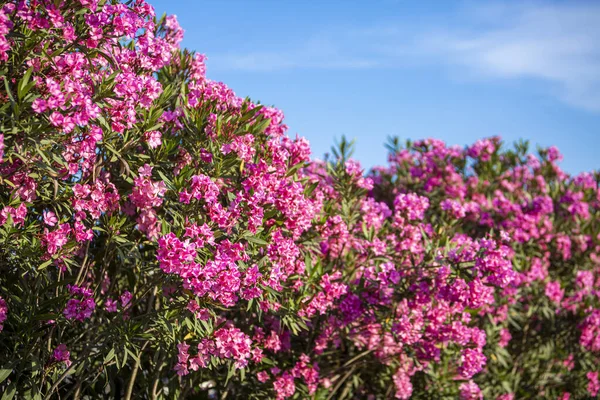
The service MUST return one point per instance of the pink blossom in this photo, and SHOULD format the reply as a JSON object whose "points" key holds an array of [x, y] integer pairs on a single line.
{"points": [[506, 396], [56, 239], [593, 385], [62, 354], [110, 305], [470, 391], [126, 298], [262, 376], [472, 361], [81, 306], [505, 337], [403, 385], [554, 292], [3, 312], [50, 218], [284, 386], [153, 138]]}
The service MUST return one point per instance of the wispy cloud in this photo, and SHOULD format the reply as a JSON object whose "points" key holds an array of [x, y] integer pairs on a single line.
{"points": [[555, 43], [558, 44], [317, 53]]}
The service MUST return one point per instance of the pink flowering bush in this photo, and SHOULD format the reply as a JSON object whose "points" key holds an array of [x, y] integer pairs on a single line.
{"points": [[542, 328], [161, 237]]}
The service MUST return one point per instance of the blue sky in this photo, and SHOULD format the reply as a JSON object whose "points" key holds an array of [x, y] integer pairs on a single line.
{"points": [[457, 71]]}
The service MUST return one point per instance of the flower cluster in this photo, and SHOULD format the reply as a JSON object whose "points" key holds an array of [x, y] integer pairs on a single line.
{"points": [[3, 312], [81, 305], [547, 222], [164, 230], [62, 354]]}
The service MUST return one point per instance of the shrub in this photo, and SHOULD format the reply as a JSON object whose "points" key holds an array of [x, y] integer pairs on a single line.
{"points": [[161, 237], [542, 330]]}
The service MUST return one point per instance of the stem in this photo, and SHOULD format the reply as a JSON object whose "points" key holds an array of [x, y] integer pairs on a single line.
{"points": [[134, 373], [154, 386], [59, 380], [83, 264], [159, 365], [339, 384], [68, 370], [77, 393]]}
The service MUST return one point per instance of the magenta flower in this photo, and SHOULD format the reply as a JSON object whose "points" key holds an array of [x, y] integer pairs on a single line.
{"points": [[593, 385], [554, 292], [110, 305], [62, 354], [3, 312], [153, 138], [470, 391], [50, 218]]}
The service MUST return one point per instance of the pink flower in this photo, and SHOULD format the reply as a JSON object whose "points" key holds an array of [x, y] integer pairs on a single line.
{"points": [[56, 239], [472, 361], [505, 337], [39, 105], [3, 312], [554, 292], [593, 385], [506, 396], [262, 376], [455, 208], [284, 386], [569, 362], [403, 385], [470, 391], [81, 306], [49, 218], [414, 205], [82, 234], [233, 343], [18, 214], [554, 154], [56, 119], [61, 354], [110, 305], [153, 138], [126, 298], [182, 366]]}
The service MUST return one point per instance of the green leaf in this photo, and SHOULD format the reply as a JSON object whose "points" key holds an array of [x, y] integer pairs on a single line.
{"points": [[261, 126], [45, 264], [24, 84], [45, 317], [109, 356], [167, 181], [310, 189], [10, 392], [133, 355], [230, 373], [7, 88], [4, 373], [256, 240]]}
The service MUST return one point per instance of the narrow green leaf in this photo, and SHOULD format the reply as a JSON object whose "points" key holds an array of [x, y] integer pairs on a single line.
{"points": [[10, 392], [109, 356], [4, 373], [256, 240]]}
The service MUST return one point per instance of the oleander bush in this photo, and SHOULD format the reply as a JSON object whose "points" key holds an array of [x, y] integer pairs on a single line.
{"points": [[162, 238]]}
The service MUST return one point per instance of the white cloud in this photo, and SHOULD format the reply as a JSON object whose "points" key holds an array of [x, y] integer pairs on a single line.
{"points": [[555, 43], [559, 44], [317, 53]]}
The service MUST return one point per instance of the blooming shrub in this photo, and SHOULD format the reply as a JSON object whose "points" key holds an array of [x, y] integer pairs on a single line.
{"points": [[542, 328], [161, 237]]}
